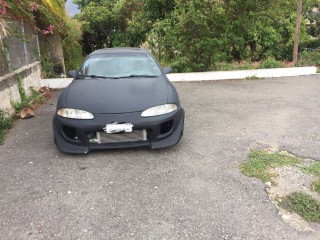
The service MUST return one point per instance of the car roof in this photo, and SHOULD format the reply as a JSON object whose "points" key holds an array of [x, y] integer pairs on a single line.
{"points": [[120, 50]]}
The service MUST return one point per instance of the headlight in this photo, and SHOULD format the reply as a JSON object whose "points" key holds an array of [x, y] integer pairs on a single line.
{"points": [[74, 113], [159, 110]]}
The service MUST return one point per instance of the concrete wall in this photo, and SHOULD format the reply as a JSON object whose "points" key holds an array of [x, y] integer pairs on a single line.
{"points": [[19, 59], [9, 91]]}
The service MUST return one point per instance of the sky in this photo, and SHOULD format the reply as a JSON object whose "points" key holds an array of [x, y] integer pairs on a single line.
{"points": [[71, 8]]}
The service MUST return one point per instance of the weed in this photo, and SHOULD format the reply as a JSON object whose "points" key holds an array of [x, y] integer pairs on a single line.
{"points": [[5, 124], [316, 186], [252, 78], [302, 204], [313, 168], [260, 162], [26, 101], [49, 69]]}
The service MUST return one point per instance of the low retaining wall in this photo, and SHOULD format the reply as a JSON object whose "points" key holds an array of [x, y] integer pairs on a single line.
{"points": [[30, 76], [210, 76], [242, 74]]}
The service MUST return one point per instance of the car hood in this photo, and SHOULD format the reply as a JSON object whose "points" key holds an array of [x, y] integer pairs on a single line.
{"points": [[117, 95]]}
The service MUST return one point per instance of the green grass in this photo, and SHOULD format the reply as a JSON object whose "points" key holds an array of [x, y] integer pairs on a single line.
{"points": [[313, 168], [260, 162], [253, 78], [302, 204], [316, 186], [5, 124]]}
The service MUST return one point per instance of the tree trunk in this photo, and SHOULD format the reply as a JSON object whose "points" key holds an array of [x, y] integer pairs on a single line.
{"points": [[297, 34]]}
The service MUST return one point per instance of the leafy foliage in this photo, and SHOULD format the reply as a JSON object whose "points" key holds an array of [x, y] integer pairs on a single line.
{"points": [[49, 18], [72, 49], [41, 13], [310, 58], [270, 63], [48, 67], [194, 35], [26, 101], [314, 19]]}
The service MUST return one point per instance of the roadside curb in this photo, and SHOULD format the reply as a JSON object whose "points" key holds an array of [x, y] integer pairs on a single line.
{"points": [[58, 83]]}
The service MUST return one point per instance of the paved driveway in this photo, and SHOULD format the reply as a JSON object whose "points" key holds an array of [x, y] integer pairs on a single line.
{"points": [[190, 191]]}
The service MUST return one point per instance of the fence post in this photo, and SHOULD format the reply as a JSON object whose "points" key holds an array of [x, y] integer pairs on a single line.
{"points": [[8, 58], [26, 57], [38, 46]]}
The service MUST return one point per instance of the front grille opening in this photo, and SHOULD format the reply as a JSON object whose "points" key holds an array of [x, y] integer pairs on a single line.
{"points": [[91, 135], [69, 132], [166, 127], [134, 136]]}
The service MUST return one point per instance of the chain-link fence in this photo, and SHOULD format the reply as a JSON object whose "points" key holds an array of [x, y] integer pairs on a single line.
{"points": [[20, 48]]}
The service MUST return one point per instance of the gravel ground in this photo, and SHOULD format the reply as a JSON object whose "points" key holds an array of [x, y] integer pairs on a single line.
{"points": [[191, 191]]}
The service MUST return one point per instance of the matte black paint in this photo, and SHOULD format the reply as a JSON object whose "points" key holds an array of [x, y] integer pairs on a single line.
{"points": [[118, 100], [117, 95]]}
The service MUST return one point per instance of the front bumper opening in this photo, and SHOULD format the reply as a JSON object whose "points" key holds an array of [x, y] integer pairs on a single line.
{"points": [[70, 132], [166, 127]]}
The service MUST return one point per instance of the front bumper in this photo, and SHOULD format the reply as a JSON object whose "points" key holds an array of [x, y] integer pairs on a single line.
{"points": [[74, 136]]}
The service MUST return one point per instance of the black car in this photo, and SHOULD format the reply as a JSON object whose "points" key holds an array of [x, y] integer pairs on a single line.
{"points": [[119, 98]]}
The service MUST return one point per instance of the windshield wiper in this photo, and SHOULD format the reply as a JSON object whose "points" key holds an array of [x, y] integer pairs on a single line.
{"points": [[91, 76], [96, 77], [139, 76]]}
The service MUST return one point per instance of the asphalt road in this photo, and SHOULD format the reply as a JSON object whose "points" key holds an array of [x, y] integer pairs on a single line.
{"points": [[191, 191]]}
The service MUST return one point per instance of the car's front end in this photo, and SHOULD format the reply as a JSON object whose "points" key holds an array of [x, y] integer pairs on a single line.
{"points": [[82, 136], [118, 100]]}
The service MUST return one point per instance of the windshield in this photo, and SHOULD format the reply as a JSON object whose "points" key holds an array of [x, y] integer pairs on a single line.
{"points": [[119, 66]]}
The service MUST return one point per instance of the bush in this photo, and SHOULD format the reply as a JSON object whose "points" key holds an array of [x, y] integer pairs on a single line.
{"points": [[309, 58], [312, 43], [243, 65], [48, 68], [270, 63], [72, 49], [73, 55]]}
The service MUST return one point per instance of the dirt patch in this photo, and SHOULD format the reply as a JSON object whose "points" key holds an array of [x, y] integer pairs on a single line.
{"points": [[289, 180]]}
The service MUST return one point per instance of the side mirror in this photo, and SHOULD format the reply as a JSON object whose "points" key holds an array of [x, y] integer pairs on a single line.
{"points": [[72, 73], [167, 70]]}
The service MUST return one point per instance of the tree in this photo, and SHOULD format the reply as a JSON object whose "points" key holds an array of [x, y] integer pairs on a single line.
{"points": [[193, 35]]}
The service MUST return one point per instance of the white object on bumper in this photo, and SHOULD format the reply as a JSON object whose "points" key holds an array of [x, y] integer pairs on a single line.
{"points": [[116, 128]]}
